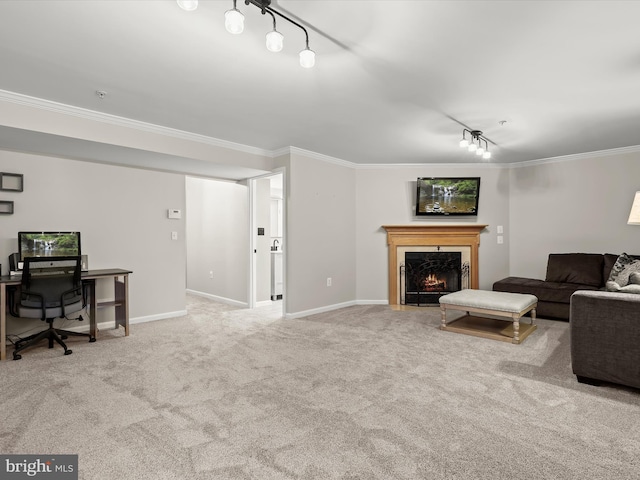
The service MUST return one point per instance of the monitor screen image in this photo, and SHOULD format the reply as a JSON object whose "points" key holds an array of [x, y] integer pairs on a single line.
{"points": [[48, 244]]}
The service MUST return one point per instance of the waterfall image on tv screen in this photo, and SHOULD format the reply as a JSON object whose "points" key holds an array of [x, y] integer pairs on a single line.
{"points": [[447, 196]]}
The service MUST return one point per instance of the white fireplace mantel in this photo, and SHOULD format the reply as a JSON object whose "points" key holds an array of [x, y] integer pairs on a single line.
{"points": [[429, 236]]}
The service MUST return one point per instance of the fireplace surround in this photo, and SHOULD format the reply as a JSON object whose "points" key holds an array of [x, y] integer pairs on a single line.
{"points": [[425, 238]]}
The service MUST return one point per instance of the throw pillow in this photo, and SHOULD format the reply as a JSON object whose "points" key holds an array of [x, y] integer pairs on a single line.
{"points": [[621, 271]]}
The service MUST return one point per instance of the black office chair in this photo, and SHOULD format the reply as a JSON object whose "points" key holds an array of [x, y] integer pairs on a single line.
{"points": [[51, 288]]}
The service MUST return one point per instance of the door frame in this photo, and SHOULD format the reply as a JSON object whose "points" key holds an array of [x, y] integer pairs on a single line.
{"points": [[253, 225]]}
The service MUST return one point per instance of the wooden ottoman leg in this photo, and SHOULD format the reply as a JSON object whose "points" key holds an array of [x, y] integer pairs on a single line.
{"points": [[533, 316], [516, 329]]}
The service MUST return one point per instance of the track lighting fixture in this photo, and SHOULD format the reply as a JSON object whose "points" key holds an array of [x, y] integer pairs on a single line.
{"points": [[274, 38], [474, 143], [234, 23]]}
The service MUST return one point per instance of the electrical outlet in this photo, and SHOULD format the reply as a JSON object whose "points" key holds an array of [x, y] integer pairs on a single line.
{"points": [[174, 235], [210, 273], [500, 239], [328, 281]]}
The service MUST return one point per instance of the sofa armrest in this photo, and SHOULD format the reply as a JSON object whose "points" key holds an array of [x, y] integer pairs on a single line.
{"points": [[605, 336]]}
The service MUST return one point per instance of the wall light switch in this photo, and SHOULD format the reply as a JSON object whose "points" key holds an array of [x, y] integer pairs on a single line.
{"points": [[500, 239], [174, 213], [499, 229]]}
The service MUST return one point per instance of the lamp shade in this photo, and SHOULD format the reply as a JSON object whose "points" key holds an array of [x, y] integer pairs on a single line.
{"points": [[234, 21], [307, 58], [634, 215], [274, 41], [188, 5]]}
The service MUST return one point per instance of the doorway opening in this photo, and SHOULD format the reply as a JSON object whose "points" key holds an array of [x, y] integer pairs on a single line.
{"points": [[268, 241]]}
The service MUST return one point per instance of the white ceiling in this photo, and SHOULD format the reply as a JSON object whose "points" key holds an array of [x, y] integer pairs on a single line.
{"points": [[395, 81]]}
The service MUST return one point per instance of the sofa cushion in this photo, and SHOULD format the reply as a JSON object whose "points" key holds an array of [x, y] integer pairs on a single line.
{"points": [[577, 268], [558, 292]]}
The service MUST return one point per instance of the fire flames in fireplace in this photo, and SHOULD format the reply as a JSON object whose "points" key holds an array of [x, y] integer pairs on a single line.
{"points": [[433, 284]]}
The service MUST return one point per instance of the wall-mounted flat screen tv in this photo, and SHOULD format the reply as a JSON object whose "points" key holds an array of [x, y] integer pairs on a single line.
{"points": [[447, 196], [48, 244]]}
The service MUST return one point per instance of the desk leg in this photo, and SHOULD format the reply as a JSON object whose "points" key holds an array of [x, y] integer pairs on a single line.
{"points": [[3, 322], [121, 289], [93, 309]]}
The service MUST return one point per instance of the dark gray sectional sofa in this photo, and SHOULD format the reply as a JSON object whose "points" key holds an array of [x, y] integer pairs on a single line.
{"points": [[604, 325], [566, 274], [605, 338]]}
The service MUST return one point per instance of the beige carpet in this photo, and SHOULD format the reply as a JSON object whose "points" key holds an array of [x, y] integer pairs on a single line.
{"points": [[359, 393]]}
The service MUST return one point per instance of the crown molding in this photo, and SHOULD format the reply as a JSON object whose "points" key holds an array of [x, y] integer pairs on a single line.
{"points": [[92, 115], [376, 166], [578, 156], [316, 156]]}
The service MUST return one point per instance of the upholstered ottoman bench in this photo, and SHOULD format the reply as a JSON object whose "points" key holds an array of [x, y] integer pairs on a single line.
{"points": [[483, 302]]}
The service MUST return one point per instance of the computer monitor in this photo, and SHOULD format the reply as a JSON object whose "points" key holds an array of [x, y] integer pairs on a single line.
{"points": [[48, 244]]}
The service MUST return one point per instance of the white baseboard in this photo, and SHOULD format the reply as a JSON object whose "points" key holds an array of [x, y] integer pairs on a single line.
{"points": [[372, 302], [110, 324], [313, 311], [216, 298], [153, 318]]}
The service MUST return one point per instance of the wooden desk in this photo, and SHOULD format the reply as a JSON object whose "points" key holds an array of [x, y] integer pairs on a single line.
{"points": [[120, 301]]}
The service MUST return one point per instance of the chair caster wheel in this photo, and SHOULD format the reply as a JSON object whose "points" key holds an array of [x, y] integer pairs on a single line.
{"points": [[17, 356], [92, 339], [68, 352]]}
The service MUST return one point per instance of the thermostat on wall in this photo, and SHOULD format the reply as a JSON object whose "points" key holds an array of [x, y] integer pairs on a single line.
{"points": [[174, 213]]}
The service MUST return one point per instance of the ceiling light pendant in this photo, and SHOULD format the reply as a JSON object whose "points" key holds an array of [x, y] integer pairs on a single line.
{"points": [[234, 20], [188, 5], [275, 39], [307, 58]]}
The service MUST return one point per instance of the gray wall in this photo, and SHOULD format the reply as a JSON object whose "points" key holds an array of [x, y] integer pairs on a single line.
{"points": [[579, 205], [386, 196], [320, 234], [122, 216], [217, 239]]}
